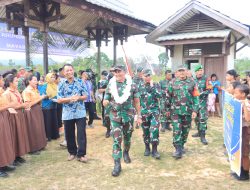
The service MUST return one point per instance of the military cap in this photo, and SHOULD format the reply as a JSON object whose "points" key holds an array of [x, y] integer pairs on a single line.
{"points": [[181, 67], [120, 67], [198, 67], [147, 72], [139, 69]]}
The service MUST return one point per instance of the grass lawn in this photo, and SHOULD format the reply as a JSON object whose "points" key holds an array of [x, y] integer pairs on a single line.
{"points": [[202, 167]]}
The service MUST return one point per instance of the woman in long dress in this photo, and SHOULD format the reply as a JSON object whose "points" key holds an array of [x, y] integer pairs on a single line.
{"points": [[34, 116], [7, 154], [17, 120]]}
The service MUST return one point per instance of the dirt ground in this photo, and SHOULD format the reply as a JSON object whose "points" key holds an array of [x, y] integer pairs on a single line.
{"points": [[202, 167]]}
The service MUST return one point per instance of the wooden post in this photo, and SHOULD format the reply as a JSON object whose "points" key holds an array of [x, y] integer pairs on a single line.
{"points": [[45, 50], [27, 45], [114, 53], [98, 69]]}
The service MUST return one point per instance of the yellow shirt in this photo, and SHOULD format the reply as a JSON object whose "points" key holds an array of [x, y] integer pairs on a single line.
{"points": [[13, 96], [30, 94]]}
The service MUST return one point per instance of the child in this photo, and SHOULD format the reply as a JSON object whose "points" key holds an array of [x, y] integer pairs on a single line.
{"points": [[211, 102], [241, 93]]}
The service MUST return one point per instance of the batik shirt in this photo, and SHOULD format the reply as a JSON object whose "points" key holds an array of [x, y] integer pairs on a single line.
{"points": [[72, 110]]}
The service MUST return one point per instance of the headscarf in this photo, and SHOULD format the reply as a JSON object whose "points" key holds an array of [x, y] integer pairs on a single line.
{"points": [[51, 87]]}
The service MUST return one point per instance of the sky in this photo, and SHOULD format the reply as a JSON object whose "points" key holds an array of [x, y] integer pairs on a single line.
{"points": [[158, 11]]}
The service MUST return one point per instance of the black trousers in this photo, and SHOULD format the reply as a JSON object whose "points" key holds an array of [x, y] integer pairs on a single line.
{"points": [[90, 108], [51, 123], [81, 136], [59, 115]]}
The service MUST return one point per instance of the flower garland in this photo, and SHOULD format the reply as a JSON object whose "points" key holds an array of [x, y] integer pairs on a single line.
{"points": [[126, 91]]}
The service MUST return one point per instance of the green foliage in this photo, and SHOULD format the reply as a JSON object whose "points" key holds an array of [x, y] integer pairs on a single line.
{"points": [[242, 65], [163, 60]]}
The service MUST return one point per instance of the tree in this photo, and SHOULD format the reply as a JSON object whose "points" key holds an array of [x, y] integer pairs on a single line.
{"points": [[11, 63], [242, 65], [163, 59]]}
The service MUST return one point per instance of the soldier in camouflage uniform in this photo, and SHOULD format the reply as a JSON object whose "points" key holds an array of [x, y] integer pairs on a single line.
{"points": [[102, 85], [122, 95], [149, 100], [202, 116], [138, 80], [165, 121], [182, 102]]}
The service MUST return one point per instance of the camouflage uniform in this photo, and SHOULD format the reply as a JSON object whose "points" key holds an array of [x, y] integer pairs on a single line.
{"points": [[102, 84], [202, 116], [183, 100], [121, 117], [150, 112], [165, 121]]}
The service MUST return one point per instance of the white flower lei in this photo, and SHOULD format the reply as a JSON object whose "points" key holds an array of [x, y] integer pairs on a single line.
{"points": [[126, 91]]}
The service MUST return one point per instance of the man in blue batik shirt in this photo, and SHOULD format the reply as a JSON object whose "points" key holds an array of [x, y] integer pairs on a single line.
{"points": [[72, 93]]}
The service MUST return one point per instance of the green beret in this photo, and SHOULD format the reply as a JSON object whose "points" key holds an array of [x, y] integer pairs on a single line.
{"points": [[198, 67], [147, 72], [139, 69]]}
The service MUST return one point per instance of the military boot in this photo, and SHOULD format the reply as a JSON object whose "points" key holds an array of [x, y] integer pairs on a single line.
{"points": [[126, 157], [244, 175], [202, 137], [147, 150], [196, 134], [155, 153], [117, 168], [178, 152]]}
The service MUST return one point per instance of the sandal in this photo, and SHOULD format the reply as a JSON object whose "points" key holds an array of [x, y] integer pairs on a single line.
{"points": [[82, 159]]}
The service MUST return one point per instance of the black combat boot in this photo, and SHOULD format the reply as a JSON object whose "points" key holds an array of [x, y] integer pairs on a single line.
{"points": [[178, 152], [183, 150], [196, 134], [202, 137], [155, 153], [163, 127], [126, 157], [117, 168], [147, 150]]}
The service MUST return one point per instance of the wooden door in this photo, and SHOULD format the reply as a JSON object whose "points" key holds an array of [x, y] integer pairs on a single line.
{"points": [[215, 65]]}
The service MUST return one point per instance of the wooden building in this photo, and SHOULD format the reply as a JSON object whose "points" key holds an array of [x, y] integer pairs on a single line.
{"points": [[199, 34]]}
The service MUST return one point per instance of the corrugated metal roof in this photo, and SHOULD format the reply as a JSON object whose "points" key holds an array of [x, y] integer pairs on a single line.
{"points": [[77, 20], [196, 35], [187, 12]]}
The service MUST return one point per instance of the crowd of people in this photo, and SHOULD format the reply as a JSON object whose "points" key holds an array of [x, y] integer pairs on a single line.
{"points": [[33, 108]]}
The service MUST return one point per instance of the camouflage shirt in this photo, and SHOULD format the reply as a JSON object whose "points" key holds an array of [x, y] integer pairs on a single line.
{"points": [[182, 97], [203, 90], [149, 98], [125, 111], [163, 86], [138, 81]]}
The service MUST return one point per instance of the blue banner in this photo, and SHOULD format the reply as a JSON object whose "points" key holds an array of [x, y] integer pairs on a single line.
{"points": [[232, 120], [16, 43]]}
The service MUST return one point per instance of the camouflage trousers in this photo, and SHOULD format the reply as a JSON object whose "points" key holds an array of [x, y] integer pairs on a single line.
{"points": [[165, 121], [201, 119], [106, 122], [150, 126], [119, 130], [181, 126]]}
